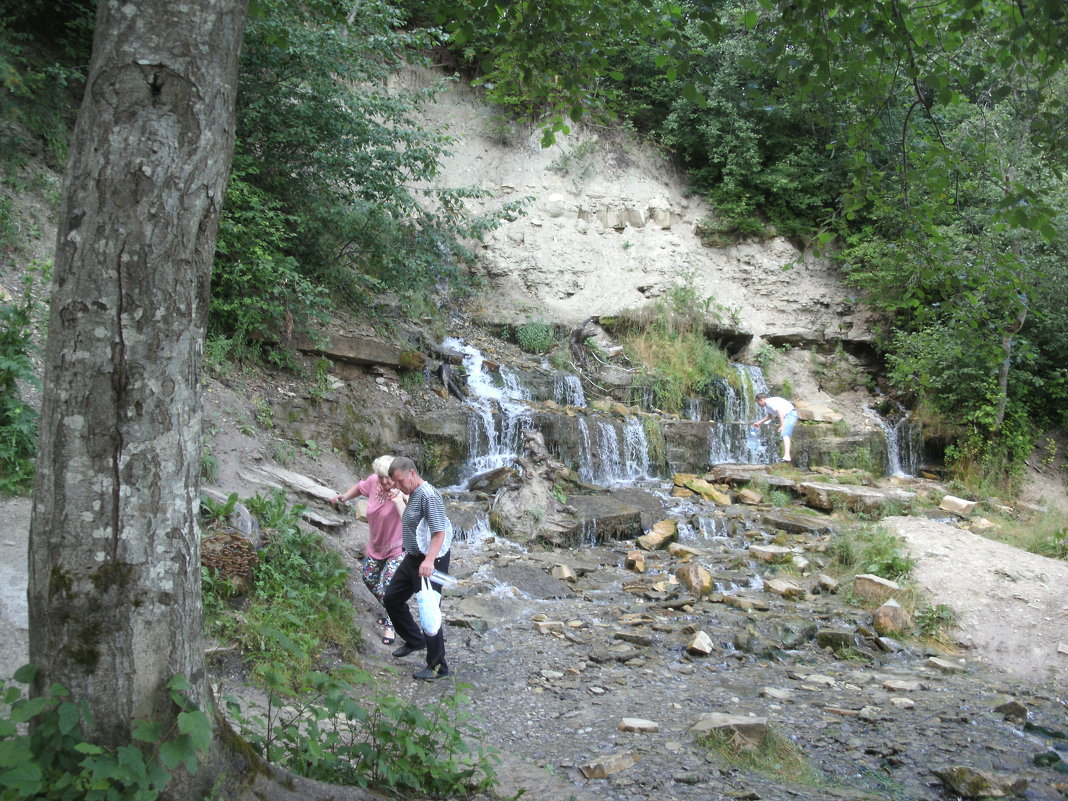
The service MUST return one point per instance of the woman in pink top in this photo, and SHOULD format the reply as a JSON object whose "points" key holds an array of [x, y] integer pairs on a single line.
{"points": [[385, 504]]}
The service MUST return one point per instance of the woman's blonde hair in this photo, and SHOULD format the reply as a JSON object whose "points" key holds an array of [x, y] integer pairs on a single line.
{"points": [[381, 466]]}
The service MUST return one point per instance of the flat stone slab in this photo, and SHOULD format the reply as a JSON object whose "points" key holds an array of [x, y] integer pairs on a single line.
{"points": [[851, 497], [532, 581]]}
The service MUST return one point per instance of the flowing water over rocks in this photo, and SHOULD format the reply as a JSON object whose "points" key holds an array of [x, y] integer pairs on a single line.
{"points": [[561, 646]]}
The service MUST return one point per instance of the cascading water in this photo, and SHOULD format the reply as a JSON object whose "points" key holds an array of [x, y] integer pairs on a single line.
{"points": [[494, 431], [567, 390], [733, 439], [904, 440]]}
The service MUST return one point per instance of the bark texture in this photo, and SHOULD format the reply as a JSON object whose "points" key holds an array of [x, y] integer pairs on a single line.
{"points": [[114, 556]]}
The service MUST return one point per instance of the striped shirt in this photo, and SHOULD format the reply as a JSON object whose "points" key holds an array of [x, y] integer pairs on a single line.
{"points": [[425, 503]]}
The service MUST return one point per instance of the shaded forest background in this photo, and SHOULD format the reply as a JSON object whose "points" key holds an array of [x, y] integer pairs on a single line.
{"points": [[921, 150]]}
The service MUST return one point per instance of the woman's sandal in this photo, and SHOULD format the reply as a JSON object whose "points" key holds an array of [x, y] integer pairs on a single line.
{"points": [[388, 635]]}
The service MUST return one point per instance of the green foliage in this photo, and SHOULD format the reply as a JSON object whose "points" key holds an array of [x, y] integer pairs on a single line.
{"points": [[333, 197], [872, 550], [18, 420], [44, 754], [777, 757], [778, 498], [297, 604], [342, 729], [535, 336], [935, 621], [667, 339]]}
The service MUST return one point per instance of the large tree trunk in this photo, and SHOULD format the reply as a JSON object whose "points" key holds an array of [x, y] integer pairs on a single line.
{"points": [[114, 557]]}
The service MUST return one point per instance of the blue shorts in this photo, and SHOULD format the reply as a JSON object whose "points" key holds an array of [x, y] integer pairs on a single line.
{"points": [[789, 420]]}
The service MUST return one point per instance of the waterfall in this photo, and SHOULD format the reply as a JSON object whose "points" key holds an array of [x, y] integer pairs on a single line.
{"points": [[610, 463], [904, 440], [494, 430], [585, 458], [567, 390], [635, 449], [732, 439]]}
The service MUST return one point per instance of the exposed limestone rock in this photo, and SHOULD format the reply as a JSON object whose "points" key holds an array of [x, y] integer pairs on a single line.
{"points": [[957, 506], [866, 500], [903, 685], [659, 535], [1012, 710], [891, 618], [695, 578], [606, 766], [700, 644], [785, 587], [635, 561], [819, 414], [945, 665], [750, 496], [826, 583], [752, 730], [708, 492], [639, 725], [836, 638], [563, 573], [971, 782], [549, 626], [872, 588], [772, 554], [684, 552], [746, 603]]}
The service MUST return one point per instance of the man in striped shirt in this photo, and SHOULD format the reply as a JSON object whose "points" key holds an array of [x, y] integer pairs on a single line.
{"points": [[422, 556]]}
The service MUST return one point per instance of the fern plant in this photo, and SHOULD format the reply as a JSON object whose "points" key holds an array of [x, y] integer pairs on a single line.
{"points": [[18, 420]]}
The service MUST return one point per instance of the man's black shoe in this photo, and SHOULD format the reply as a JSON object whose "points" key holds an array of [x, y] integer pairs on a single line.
{"points": [[406, 649], [431, 673]]}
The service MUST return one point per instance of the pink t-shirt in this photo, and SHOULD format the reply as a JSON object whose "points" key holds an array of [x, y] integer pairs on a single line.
{"points": [[383, 519]]}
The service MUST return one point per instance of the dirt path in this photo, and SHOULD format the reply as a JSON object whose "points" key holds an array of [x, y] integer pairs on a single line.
{"points": [[1011, 605]]}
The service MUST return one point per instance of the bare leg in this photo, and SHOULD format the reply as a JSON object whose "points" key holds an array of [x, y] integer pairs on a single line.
{"points": [[786, 449]]}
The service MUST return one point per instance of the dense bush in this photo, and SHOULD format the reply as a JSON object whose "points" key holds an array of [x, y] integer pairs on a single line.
{"points": [[18, 420]]}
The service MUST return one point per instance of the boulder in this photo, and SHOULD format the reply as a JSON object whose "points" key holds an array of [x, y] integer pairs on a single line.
{"points": [[753, 730], [872, 588]]}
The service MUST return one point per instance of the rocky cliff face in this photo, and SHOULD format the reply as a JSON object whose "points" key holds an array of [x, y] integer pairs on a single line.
{"points": [[610, 227]]}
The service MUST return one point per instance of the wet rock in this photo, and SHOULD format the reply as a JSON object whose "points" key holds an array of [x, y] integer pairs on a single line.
{"points": [[634, 638], [794, 523], [872, 588], [635, 561], [904, 685], [700, 644], [708, 492], [836, 638], [777, 693], [695, 578], [549, 626], [680, 551], [826, 583], [787, 588], [659, 535], [944, 665], [746, 603], [639, 725], [753, 730], [891, 618], [971, 782], [606, 766], [772, 554], [563, 573], [532, 581], [1012, 710], [597, 518]]}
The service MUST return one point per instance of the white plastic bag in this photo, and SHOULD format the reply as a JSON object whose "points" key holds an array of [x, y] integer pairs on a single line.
{"points": [[429, 601]]}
